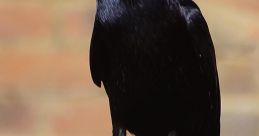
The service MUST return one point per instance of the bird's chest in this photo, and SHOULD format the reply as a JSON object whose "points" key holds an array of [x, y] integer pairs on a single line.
{"points": [[138, 37], [141, 46]]}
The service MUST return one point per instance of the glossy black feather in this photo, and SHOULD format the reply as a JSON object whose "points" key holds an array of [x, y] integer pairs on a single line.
{"points": [[157, 63]]}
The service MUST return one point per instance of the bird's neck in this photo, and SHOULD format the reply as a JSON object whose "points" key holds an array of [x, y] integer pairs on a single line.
{"points": [[110, 10], [113, 3], [131, 3]]}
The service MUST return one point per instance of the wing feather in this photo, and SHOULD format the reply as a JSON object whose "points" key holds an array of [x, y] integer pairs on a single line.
{"points": [[202, 41], [97, 55]]}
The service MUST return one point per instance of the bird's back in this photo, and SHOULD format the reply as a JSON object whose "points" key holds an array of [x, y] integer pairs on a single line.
{"points": [[151, 70]]}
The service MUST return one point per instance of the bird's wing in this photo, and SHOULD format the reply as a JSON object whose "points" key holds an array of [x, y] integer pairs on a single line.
{"points": [[97, 54], [201, 38]]}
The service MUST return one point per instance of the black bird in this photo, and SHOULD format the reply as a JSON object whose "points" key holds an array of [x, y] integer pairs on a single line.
{"points": [[157, 63]]}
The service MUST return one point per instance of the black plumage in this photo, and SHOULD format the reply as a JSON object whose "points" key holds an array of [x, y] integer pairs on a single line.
{"points": [[157, 63]]}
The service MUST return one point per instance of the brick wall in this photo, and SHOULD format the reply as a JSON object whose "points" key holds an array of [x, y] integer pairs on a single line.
{"points": [[39, 24]]}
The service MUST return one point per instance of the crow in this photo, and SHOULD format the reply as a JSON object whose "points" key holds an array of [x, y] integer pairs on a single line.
{"points": [[156, 61]]}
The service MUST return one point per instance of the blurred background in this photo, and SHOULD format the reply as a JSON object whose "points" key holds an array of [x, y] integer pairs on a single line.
{"points": [[45, 83]]}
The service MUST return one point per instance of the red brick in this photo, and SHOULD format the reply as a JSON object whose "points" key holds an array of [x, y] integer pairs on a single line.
{"points": [[18, 20]]}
